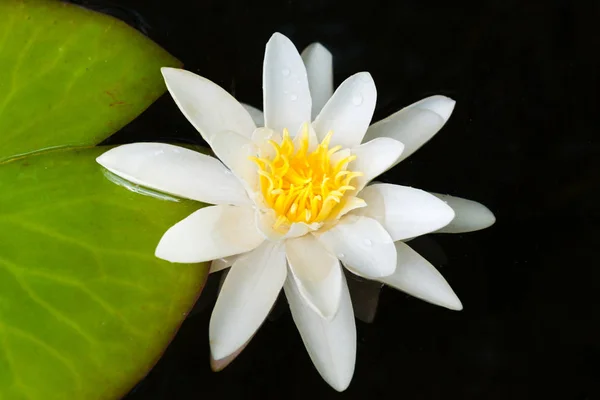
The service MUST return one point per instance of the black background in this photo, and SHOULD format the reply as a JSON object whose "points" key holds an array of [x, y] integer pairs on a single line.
{"points": [[522, 140]]}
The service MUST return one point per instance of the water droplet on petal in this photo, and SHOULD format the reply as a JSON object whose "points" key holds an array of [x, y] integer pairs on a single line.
{"points": [[341, 255], [357, 100], [368, 242], [285, 72], [293, 97]]}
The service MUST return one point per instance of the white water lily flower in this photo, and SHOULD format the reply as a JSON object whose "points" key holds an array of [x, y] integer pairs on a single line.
{"points": [[290, 200]]}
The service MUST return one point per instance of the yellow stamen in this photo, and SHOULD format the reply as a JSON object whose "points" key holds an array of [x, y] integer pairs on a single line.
{"points": [[302, 185]]}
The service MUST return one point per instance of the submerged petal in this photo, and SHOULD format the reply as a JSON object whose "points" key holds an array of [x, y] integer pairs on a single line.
{"points": [[210, 233], [417, 277], [365, 296], [331, 344], [317, 274], [175, 170], [362, 244], [414, 125], [349, 111], [208, 107], [403, 211], [470, 215], [319, 68], [286, 96], [248, 293]]}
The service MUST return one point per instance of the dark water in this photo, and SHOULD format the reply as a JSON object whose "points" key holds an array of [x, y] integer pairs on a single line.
{"points": [[522, 140]]}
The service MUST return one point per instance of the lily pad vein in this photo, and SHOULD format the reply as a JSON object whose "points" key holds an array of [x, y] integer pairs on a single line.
{"points": [[48, 348], [57, 314]]}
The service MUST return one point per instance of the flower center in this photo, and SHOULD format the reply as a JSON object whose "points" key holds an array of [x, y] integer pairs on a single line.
{"points": [[303, 186]]}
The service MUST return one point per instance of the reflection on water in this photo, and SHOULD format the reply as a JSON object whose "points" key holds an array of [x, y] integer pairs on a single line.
{"points": [[137, 189]]}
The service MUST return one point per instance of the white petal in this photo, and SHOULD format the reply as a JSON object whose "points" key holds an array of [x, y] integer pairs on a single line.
{"points": [[261, 136], [219, 365], [339, 155], [175, 170], [234, 151], [206, 105], [374, 158], [349, 111], [362, 244], [319, 68], [331, 344], [347, 205], [313, 141], [266, 219], [317, 274], [248, 293], [417, 277], [222, 263], [286, 96], [414, 125], [403, 211], [470, 215], [210, 233], [257, 115], [298, 229]]}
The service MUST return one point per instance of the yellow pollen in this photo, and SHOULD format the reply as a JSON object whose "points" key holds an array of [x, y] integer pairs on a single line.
{"points": [[303, 186]]}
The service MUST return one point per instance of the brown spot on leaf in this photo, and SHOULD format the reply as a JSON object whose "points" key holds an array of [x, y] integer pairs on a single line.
{"points": [[115, 100]]}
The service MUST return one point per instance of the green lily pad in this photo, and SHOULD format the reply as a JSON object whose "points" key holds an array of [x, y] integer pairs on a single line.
{"points": [[85, 307], [70, 76]]}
